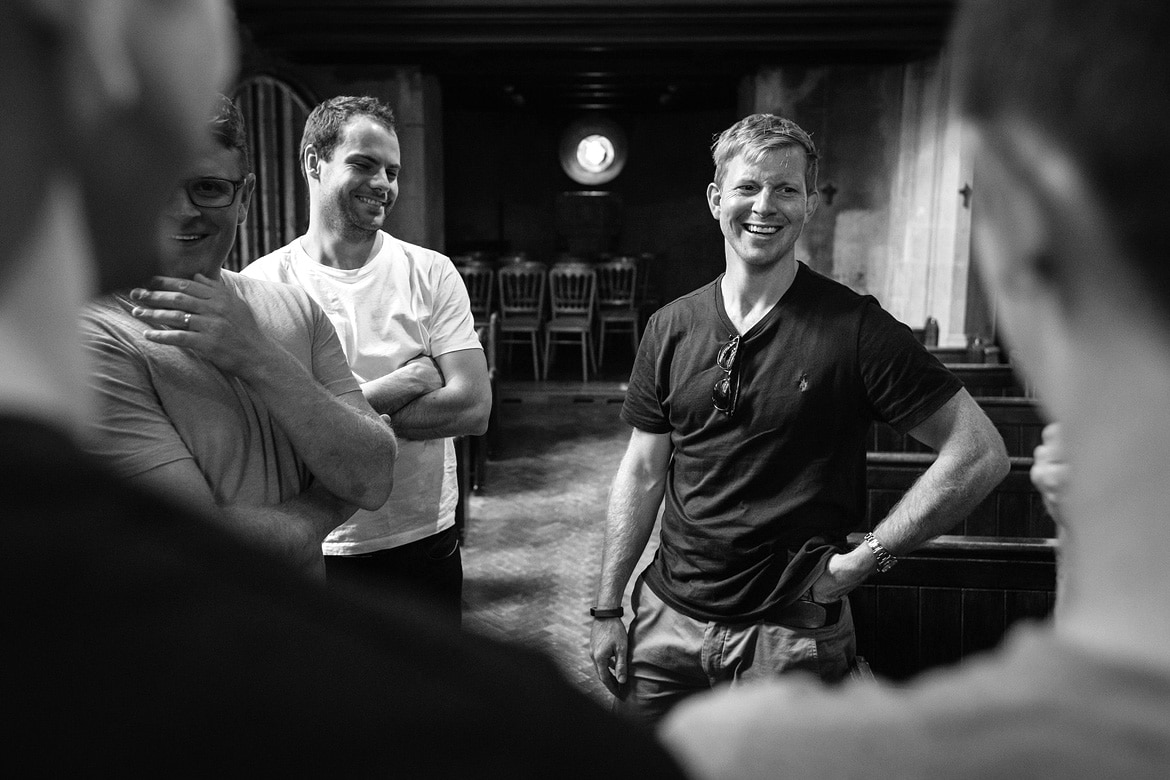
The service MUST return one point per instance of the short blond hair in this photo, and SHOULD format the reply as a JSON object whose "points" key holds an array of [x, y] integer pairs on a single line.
{"points": [[756, 134]]}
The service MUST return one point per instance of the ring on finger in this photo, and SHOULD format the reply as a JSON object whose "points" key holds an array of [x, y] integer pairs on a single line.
{"points": [[187, 321]]}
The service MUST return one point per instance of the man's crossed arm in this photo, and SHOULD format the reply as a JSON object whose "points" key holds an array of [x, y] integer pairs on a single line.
{"points": [[292, 530], [346, 445], [432, 399]]}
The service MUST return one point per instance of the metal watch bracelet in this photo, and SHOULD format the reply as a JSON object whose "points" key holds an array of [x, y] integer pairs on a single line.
{"points": [[885, 560]]}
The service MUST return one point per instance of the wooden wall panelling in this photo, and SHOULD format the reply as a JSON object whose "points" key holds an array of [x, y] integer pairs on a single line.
{"points": [[1028, 605], [984, 620], [898, 619], [863, 603], [940, 626], [955, 597]]}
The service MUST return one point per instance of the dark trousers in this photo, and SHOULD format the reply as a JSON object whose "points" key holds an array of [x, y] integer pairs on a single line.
{"points": [[429, 571]]}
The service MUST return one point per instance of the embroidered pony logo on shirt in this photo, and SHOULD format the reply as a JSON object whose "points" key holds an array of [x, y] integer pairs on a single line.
{"points": [[802, 383]]}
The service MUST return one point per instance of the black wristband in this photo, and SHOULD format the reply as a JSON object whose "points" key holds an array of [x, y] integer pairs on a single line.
{"points": [[610, 612]]}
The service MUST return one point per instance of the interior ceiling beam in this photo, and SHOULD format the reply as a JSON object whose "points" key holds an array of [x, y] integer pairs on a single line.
{"points": [[350, 30]]}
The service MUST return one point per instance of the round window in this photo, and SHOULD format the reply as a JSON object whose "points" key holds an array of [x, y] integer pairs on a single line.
{"points": [[595, 153], [593, 150]]}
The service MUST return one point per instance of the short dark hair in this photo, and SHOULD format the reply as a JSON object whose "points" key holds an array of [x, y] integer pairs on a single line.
{"points": [[227, 127], [1095, 77], [324, 125], [758, 133]]}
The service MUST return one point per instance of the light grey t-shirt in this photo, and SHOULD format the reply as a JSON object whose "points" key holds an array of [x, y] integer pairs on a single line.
{"points": [[1035, 708], [160, 404]]}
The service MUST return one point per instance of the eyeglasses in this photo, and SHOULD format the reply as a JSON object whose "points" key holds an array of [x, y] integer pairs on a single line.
{"points": [[726, 389], [211, 193]]}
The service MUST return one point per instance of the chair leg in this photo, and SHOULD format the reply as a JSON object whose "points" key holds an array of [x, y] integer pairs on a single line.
{"points": [[492, 437], [478, 462], [536, 368], [584, 357], [463, 480], [549, 344], [601, 345]]}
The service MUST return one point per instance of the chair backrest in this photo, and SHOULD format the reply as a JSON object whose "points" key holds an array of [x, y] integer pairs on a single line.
{"points": [[573, 290], [646, 293], [479, 278], [617, 284], [521, 289]]}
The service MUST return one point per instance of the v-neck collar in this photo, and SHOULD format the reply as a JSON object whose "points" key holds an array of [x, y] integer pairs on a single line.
{"points": [[769, 317]]}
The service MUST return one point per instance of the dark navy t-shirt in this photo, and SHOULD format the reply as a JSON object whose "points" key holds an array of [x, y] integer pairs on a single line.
{"points": [[756, 501]]}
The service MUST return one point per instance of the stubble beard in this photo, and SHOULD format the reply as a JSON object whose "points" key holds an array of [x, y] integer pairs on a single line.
{"points": [[347, 224]]}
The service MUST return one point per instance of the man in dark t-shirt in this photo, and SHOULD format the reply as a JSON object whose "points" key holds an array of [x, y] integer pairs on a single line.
{"points": [[1064, 104], [750, 400]]}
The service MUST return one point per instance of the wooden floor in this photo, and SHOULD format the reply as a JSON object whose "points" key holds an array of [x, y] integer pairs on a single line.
{"points": [[532, 544]]}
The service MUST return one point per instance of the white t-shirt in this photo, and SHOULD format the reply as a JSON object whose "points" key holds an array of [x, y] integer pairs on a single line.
{"points": [[406, 301]]}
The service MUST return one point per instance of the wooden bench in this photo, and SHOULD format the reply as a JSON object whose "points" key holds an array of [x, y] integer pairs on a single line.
{"points": [[1013, 509], [959, 593], [988, 380], [985, 353], [1017, 419], [955, 596]]}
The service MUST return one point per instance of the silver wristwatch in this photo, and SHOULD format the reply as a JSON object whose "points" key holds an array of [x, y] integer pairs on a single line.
{"points": [[885, 561]]}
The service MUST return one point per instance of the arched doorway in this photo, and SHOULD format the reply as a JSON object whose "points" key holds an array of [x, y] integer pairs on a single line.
{"points": [[275, 114]]}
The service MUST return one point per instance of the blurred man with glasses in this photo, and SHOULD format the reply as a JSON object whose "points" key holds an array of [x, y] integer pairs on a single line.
{"points": [[140, 637], [750, 400], [229, 393]]}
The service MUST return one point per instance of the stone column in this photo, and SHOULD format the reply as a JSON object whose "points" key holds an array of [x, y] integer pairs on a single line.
{"points": [[416, 98], [930, 208]]}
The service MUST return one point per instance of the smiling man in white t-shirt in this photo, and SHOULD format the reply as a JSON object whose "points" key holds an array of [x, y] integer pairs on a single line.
{"points": [[405, 323]]}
